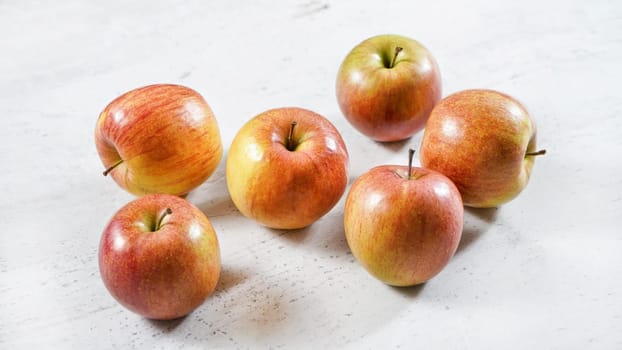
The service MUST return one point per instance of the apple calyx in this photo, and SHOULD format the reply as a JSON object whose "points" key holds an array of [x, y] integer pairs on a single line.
{"points": [[107, 171], [398, 49], [536, 153], [289, 144], [158, 225]]}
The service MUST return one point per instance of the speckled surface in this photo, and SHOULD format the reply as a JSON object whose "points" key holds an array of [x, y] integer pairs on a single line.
{"points": [[541, 272]]}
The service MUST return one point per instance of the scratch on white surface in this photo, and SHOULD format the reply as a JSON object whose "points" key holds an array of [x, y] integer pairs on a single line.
{"points": [[311, 8]]}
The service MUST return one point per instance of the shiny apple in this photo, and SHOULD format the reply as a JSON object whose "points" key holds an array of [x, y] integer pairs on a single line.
{"points": [[485, 142], [159, 257], [403, 224], [387, 86], [286, 168], [158, 139]]}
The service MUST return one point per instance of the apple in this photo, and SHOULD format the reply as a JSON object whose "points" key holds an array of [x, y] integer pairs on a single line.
{"points": [[286, 168], [158, 139], [159, 256], [403, 224], [485, 142], [387, 86]]}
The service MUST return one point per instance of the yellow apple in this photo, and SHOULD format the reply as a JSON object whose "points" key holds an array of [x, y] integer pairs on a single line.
{"points": [[287, 167], [387, 86], [485, 142], [158, 139], [403, 224]]}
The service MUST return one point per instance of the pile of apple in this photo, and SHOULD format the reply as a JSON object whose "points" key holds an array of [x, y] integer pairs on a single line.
{"points": [[159, 255]]}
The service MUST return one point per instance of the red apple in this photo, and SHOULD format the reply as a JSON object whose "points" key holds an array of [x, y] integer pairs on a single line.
{"points": [[403, 224], [158, 139], [159, 257], [387, 86], [286, 168], [485, 142]]}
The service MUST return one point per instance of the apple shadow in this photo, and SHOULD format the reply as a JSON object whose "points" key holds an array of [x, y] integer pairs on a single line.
{"points": [[297, 236], [333, 235], [326, 235], [294, 236], [167, 326], [410, 292], [401, 146], [397, 146], [229, 278], [212, 197], [489, 215], [220, 206], [476, 222]]}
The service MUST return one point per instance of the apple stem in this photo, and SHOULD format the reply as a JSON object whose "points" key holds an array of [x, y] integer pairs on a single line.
{"points": [[107, 171], [290, 138], [397, 52], [159, 224], [537, 153], [411, 153]]}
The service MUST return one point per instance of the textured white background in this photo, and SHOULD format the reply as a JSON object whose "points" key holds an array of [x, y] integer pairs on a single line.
{"points": [[544, 271]]}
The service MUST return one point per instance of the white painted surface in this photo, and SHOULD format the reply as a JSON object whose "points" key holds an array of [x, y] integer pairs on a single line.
{"points": [[544, 271]]}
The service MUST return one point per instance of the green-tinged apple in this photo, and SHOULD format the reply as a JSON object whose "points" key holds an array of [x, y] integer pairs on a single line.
{"points": [[403, 224], [158, 139], [159, 256], [387, 86], [485, 142], [286, 168]]}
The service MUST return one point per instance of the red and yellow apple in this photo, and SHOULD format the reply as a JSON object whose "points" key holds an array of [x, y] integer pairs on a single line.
{"points": [[387, 86], [485, 142], [286, 168], [403, 224], [158, 139], [159, 256]]}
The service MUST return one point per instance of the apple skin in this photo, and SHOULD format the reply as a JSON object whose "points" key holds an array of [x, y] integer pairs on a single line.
{"points": [[166, 137], [388, 103], [286, 189], [162, 273], [403, 230], [480, 140]]}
